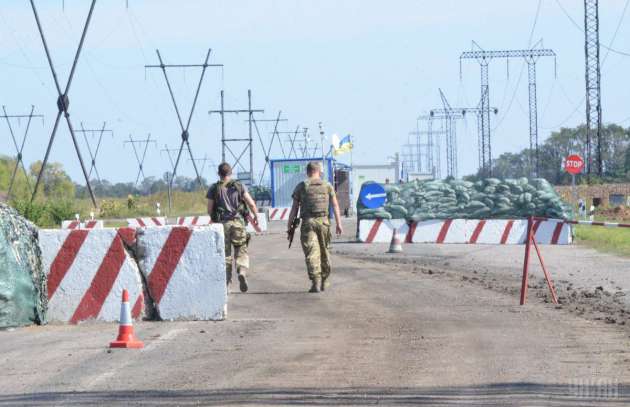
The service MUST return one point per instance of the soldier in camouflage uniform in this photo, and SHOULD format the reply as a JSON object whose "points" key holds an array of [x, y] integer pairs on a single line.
{"points": [[228, 203], [313, 198]]}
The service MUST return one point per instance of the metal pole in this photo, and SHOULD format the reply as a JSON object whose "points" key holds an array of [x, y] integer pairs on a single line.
{"points": [[533, 118], [222, 129], [251, 136]]}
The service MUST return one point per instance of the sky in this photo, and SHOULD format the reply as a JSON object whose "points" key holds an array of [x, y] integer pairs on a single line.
{"points": [[363, 67]]}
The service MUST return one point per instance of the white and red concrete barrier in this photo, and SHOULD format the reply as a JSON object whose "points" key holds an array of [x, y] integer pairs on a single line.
{"points": [[184, 268], [88, 224], [147, 222], [465, 231], [205, 221], [279, 214], [87, 270]]}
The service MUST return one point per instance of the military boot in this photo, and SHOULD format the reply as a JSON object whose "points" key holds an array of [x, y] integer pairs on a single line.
{"points": [[242, 280], [315, 284], [325, 284]]}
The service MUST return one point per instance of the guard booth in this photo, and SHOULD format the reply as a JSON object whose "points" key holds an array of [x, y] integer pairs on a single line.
{"points": [[287, 173]]}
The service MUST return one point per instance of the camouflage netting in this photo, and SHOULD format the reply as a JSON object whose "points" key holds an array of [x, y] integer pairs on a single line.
{"points": [[456, 199], [23, 294]]}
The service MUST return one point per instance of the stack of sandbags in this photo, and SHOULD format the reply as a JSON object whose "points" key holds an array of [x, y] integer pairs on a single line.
{"points": [[490, 198], [23, 293]]}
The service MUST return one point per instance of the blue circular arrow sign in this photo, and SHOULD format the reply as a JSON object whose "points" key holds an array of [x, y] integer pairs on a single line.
{"points": [[372, 195]]}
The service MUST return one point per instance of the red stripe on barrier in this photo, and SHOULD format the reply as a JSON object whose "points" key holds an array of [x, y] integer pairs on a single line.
{"points": [[373, 230], [128, 235], [137, 307], [140, 222], [194, 221], [90, 224], [556, 233], [411, 232], [273, 214], [537, 224], [477, 231], [506, 231], [167, 261], [284, 212], [73, 225], [181, 221], [444, 230], [156, 221], [64, 259], [102, 283]]}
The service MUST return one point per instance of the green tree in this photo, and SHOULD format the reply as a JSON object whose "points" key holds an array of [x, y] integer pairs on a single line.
{"points": [[55, 182]]}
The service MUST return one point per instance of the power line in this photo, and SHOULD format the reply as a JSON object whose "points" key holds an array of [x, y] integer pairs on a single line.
{"points": [[576, 25]]}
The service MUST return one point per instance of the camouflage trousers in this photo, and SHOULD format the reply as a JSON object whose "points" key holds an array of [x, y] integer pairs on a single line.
{"points": [[315, 237], [235, 238]]}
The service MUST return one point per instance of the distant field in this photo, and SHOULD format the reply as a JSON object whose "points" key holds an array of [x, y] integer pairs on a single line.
{"points": [[184, 203]]}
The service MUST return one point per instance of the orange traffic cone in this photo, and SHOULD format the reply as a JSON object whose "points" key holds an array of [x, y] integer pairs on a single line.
{"points": [[126, 338], [395, 246]]}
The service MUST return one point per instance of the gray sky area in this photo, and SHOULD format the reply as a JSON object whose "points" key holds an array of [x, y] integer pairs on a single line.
{"points": [[365, 67]]}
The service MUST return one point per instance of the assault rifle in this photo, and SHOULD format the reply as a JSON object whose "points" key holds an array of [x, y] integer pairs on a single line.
{"points": [[291, 231]]}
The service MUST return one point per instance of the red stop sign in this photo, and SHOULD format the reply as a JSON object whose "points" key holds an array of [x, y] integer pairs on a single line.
{"points": [[573, 164]]}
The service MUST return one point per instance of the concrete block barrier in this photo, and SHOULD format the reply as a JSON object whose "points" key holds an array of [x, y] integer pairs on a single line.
{"points": [[465, 231], [87, 270], [184, 268], [88, 224], [205, 221], [279, 214], [148, 222]]}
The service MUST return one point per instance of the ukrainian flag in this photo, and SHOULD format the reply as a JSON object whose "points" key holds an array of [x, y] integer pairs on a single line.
{"points": [[343, 146]]}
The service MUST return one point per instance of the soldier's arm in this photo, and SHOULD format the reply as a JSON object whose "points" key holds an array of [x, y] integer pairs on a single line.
{"points": [[249, 201], [251, 204], [335, 205]]}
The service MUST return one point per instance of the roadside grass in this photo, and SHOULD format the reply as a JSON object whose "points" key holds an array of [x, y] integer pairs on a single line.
{"points": [[609, 240], [184, 204]]}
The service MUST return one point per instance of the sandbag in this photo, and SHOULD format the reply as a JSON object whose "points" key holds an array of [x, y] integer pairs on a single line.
{"points": [[490, 198], [23, 294]]}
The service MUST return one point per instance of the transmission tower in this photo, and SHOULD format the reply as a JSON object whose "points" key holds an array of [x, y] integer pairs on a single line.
{"points": [[19, 148], [226, 142], [593, 88], [484, 57], [464, 111], [94, 153]]}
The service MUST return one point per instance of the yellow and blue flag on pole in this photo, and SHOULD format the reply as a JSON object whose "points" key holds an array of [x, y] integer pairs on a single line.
{"points": [[341, 146]]}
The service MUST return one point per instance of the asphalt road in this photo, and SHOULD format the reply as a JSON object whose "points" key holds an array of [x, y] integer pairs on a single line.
{"points": [[384, 333]]}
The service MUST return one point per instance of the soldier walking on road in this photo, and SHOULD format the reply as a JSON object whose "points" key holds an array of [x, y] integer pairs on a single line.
{"points": [[313, 198], [228, 203]]}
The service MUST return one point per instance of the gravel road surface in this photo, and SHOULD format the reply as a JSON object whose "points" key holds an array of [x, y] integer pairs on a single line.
{"points": [[389, 331]]}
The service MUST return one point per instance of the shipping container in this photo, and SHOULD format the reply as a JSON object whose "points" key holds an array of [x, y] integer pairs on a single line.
{"points": [[377, 173], [287, 173]]}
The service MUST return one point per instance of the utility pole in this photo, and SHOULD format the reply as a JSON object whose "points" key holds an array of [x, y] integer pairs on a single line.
{"points": [[484, 57], [63, 101], [140, 159], [478, 111], [433, 145], [94, 154], [184, 127], [225, 142], [169, 175], [291, 141], [19, 148], [267, 150], [593, 88]]}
